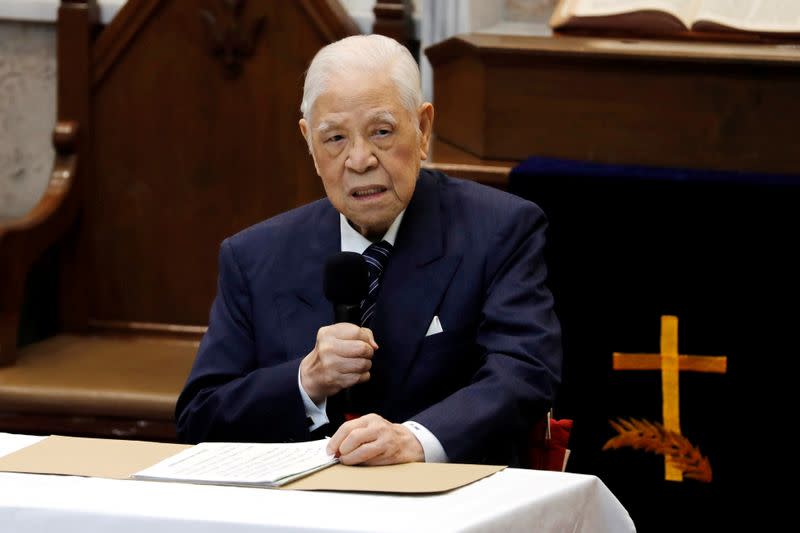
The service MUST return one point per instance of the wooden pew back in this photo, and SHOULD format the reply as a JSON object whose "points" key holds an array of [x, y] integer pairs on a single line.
{"points": [[177, 127]]}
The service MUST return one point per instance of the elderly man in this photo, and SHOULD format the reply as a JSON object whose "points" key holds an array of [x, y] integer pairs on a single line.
{"points": [[458, 351]]}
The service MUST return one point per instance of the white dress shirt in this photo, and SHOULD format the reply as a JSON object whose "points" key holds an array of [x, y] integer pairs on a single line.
{"points": [[353, 241]]}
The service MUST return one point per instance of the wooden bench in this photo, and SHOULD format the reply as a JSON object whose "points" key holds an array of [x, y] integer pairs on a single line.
{"points": [[177, 126]]}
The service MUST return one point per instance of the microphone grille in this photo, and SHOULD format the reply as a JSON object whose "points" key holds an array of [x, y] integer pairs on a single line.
{"points": [[346, 278]]}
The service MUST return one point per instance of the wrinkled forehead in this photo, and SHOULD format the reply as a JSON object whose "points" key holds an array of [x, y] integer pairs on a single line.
{"points": [[354, 93]]}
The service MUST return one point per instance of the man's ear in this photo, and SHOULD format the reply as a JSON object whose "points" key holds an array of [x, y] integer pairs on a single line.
{"points": [[306, 135], [425, 116], [304, 130]]}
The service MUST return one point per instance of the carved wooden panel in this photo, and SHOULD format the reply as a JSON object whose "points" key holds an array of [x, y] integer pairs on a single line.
{"points": [[195, 137]]}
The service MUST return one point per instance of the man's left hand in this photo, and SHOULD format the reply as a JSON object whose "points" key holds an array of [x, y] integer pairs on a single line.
{"points": [[373, 440]]}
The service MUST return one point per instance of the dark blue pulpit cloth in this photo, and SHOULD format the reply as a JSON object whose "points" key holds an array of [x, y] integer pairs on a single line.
{"points": [[628, 245]]}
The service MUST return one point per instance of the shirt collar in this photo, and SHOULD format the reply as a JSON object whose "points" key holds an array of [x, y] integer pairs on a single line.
{"points": [[353, 241]]}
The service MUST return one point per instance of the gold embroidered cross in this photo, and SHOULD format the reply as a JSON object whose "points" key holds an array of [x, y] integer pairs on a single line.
{"points": [[671, 364]]}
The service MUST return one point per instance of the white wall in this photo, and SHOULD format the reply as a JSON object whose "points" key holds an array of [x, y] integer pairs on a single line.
{"points": [[27, 113]]}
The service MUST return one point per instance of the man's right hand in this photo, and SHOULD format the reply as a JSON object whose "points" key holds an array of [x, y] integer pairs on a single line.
{"points": [[340, 359]]}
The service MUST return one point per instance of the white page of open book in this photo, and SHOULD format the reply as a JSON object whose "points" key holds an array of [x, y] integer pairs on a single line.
{"points": [[683, 9], [754, 15], [241, 463]]}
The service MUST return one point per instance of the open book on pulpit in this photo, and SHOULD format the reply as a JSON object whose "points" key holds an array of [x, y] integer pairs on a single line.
{"points": [[745, 20]]}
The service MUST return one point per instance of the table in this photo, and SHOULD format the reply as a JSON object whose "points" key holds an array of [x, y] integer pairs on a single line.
{"points": [[511, 500]]}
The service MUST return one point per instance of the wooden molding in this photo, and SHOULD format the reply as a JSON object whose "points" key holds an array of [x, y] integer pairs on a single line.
{"points": [[90, 426], [182, 331], [393, 19]]}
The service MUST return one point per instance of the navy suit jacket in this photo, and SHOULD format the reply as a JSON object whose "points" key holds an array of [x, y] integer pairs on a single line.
{"points": [[470, 254]]}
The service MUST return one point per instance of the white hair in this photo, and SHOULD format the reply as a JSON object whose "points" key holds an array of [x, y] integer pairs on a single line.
{"points": [[365, 53]]}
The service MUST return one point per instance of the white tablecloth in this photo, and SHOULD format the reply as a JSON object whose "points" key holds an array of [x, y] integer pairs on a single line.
{"points": [[511, 500]]}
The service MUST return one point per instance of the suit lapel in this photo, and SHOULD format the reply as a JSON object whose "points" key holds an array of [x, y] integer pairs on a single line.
{"points": [[413, 284], [302, 305]]}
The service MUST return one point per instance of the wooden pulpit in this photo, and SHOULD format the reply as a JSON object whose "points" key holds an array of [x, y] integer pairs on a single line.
{"points": [[673, 104]]}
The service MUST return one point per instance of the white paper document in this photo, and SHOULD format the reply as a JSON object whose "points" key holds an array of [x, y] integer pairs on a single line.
{"points": [[232, 463]]}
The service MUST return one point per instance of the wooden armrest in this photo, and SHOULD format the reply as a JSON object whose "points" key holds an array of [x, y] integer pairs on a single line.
{"points": [[24, 239]]}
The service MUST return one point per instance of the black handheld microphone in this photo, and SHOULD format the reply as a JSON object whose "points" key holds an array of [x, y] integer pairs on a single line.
{"points": [[346, 284]]}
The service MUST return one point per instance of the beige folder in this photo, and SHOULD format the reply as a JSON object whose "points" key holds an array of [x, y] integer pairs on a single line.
{"points": [[119, 459]]}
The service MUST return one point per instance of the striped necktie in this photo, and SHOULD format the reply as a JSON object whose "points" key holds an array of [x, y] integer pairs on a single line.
{"points": [[376, 256]]}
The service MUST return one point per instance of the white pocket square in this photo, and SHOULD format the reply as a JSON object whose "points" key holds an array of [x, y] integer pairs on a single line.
{"points": [[435, 327]]}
